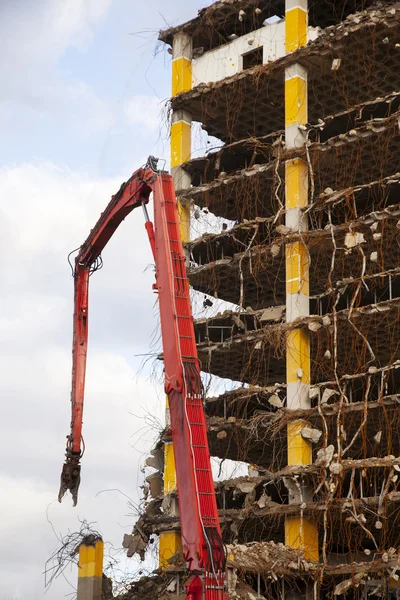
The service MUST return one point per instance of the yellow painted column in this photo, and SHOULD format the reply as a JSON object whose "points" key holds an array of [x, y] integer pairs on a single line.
{"points": [[181, 124], [90, 569], [170, 541], [300, 532], [181, 135]]}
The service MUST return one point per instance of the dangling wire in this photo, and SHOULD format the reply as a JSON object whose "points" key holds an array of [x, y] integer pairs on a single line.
{"points": [[96, 265], [69, 261]]}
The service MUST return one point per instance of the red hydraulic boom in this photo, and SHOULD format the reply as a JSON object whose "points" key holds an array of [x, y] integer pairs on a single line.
{"points": [[203, 548]]}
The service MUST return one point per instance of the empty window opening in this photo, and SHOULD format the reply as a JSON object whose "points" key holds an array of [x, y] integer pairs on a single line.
{"points": [[253, 58]]}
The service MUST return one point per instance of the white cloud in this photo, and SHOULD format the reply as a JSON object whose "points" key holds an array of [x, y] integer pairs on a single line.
{"points": [[145, 112], [36, 34], [48, 106], [46, 211], [80, 107], [49, 207]]}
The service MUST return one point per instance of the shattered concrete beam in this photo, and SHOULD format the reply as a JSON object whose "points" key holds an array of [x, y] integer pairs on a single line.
{"points": [[243, 488], [258, 357], [262, 231], [276, 560], [224, 326], [260, 439], [256, 190], [246, 491], [254, 151], [381, 288], [237, 439], [257, 490], [244, 402], [255, 277], [247, 402], [376, 195], [162, 586], [250, 151], [349, 64], [353, 117], [214, 24], [247, 441], [213, 246], [255, 184], [234, 157], [370, 197], [255, 523], [273, 562]]}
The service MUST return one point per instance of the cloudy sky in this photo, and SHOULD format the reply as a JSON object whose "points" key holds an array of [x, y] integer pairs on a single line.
{"points": [[84, 83]]}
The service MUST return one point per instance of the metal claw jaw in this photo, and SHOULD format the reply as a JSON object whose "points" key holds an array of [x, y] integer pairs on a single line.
{"points": [[70, 480]]}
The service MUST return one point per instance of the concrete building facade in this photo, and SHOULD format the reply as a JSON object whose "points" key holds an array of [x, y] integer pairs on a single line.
{"points": [[305, 97]]}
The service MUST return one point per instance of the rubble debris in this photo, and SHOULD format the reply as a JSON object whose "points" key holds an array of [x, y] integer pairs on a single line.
{"points": [[154, 586], [156, 459], [137, 542], [267, 557], [155, 482]]}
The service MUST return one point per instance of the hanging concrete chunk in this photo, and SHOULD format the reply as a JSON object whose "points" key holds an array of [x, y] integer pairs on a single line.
{"points": [[325, 456], [274, 400], [353, 239], [312, 435], [345, 585]]}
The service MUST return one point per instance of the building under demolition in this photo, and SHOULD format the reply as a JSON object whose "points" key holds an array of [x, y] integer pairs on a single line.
{"points": [[305, 97]]}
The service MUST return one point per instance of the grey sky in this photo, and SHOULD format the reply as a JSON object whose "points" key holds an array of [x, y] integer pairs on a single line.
{"points": [[81, 104]]}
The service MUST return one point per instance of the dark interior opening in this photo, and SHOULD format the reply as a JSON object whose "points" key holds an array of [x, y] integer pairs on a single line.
{"points": [[253, 58]]}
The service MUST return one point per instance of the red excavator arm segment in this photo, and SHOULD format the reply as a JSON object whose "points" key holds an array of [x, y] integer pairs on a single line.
{"points": [[135, 192], [201, 536]]}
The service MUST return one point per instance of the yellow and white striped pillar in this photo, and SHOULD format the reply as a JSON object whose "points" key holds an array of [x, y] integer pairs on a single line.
{"points": [[300, 533], [181, 139], [181, 126], [90, 569]]}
